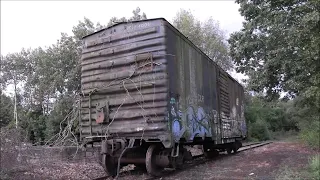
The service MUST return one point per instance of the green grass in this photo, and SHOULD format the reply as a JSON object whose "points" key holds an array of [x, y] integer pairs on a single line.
{"points": [[314, 167], [311, 172], [311, 138], [286, 173]]}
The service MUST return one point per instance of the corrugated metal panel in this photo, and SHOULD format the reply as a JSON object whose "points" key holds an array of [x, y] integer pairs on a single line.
{"points": [[225, 99], [231, 102], [124, 69]]}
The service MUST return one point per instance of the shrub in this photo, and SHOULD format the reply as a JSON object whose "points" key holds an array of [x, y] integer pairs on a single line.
{"points": [[310, 133], [284, 135], [259, 131]]}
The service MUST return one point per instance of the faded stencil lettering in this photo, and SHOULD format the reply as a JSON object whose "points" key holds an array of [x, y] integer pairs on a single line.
{"points": [[139, 26]]}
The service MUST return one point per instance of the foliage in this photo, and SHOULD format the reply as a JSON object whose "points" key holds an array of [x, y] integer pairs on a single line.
{"points": [[266, 119], [255, 117], [207, 36], [276, 119], [259, 131], [136, 16], [310, 131], [278, 47], [306, 118]]}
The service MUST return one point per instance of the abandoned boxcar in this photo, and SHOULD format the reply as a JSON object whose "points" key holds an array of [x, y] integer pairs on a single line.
{"points": [[147, 92]]}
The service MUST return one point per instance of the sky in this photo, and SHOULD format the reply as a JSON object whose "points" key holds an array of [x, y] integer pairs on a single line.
{"points": [[39, 23], [30, 24]]}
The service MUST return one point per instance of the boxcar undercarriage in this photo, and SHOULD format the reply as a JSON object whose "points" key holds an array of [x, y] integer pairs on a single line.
{"points": [[152, 156]]}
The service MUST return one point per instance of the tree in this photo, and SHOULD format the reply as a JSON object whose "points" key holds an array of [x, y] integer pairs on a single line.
{"points": [[278, 47], [61, 108], [207, 36], [136, 17], [50, 79], [6, 110]]}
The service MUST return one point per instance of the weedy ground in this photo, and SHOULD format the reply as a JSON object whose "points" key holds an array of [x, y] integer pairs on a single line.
{"points": [[281, 160]]}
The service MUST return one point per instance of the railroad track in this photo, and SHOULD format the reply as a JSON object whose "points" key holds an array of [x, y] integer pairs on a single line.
{"points": [[197, 160]]}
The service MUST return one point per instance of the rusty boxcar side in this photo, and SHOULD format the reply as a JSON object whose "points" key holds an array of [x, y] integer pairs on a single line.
{"points": [[147, 88]]}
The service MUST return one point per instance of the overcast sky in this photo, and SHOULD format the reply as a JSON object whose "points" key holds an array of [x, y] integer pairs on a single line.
{"points": [[39, 23], [32, 24]]}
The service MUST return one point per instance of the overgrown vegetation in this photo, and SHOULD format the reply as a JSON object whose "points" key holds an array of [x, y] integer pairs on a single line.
{"points": [[279, 119], [278, 48]]}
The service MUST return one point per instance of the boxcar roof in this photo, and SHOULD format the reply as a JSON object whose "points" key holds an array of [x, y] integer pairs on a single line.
{"points": [[172, 27], [123, 23]]}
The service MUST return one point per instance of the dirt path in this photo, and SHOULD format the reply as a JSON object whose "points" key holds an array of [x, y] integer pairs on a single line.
{"points": [[261, 163], [264, 162]]}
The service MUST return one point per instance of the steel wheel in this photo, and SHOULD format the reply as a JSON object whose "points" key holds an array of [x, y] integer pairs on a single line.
{"points": [[229, 150], [151, 165], [236, 146], [109, 165], [209, 153], [140, 167], [235, 150]]}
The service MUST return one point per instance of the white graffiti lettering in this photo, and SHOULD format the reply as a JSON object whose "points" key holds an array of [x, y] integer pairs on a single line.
{"points": [[194, 100]]}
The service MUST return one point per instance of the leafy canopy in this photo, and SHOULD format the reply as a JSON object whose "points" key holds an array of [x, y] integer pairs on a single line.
{"points": [[207, 36], [278, 47]]}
